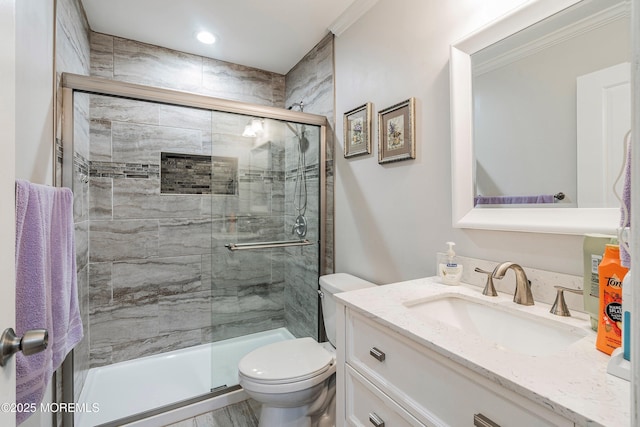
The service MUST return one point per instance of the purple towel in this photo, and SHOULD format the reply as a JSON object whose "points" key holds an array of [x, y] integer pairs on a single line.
{"points": [[625, 208], [510, 200], [46, 289]]}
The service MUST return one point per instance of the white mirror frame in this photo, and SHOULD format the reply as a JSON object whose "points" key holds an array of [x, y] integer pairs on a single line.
{"points": [[539, 220]]}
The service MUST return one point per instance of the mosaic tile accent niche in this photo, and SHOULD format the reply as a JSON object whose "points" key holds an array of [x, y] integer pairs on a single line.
{"points": [[197, 174], [123, 170]]}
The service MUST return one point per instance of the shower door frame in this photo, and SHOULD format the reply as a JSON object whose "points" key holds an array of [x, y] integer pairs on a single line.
{"points": [[71, 83]]}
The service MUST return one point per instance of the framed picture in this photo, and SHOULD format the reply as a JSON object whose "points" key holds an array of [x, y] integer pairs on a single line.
{"points": [[397, 132], [357, 131]]}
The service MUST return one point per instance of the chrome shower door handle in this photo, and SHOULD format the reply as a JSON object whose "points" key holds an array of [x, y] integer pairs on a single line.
{"points": [[32, 342]]}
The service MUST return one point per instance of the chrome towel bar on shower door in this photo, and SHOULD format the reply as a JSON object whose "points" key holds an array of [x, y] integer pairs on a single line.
{"points": [[265, 245]]}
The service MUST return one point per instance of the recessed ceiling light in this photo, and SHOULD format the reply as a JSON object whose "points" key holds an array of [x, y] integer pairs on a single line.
{"points": [[206, 37]]}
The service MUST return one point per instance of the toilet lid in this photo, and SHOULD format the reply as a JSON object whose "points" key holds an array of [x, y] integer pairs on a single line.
{"points": [[286, 361]]}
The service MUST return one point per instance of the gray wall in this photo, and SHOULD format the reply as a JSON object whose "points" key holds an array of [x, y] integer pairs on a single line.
{"points": [[392, 219]]}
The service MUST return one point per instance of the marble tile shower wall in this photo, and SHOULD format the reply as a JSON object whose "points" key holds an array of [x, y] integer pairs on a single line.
{"points": [[158, 286], [130, 61], [160, 276], [301, 273], [72, 55], [162, 283], [312, 82]]}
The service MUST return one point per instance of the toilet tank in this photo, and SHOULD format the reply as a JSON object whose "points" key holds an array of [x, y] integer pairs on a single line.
{"points": [[331, 284]]}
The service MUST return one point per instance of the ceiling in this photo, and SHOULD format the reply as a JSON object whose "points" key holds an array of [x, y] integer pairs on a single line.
{"points": [[272, 35]]}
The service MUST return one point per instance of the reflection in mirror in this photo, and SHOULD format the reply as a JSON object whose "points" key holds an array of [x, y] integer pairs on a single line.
{"points": [[551, 107], [576, 214]]}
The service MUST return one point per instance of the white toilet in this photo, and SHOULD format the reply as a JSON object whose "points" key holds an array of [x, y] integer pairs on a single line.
{"points": [[294, 380]]}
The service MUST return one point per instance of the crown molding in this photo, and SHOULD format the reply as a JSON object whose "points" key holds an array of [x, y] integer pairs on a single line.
{"points": [[612, 14], [351, 15]]}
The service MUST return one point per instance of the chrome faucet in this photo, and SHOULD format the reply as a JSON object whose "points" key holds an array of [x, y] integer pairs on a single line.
{"points": [[523, 294], [489, 290], [559, 307]]}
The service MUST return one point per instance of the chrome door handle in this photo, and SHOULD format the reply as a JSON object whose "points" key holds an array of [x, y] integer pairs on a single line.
{"points": [[32, 342]]}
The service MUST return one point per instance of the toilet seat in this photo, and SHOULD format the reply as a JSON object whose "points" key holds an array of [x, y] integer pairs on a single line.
{"points": [[286, 362]]}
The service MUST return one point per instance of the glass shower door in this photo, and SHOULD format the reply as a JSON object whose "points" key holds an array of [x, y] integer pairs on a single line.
{"points": [[144, 215], [265, 237], [160, 191]]}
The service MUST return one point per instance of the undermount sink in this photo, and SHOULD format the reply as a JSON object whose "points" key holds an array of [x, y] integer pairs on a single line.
{"points": [[506, 328]]}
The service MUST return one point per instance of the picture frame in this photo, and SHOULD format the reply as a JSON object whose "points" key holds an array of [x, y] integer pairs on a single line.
{"points": [[397, 132], [357, 131]]}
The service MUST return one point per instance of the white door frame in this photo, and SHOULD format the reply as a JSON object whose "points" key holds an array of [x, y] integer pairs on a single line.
{"points": [[7, 195]]}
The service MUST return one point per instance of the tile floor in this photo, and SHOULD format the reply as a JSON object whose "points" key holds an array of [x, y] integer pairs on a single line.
{"points": [[243, 414]]}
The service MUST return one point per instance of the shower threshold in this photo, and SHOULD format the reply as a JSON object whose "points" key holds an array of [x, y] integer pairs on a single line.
{"points": [[131, 420], [136, 389]]}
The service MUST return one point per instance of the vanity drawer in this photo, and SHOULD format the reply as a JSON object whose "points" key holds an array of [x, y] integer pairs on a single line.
{"points": [[434, 389], [368, 406]]}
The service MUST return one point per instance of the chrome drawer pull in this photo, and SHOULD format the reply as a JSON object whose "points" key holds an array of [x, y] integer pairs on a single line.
{"points": [[379, 355], [480, 420], [376, 420]]}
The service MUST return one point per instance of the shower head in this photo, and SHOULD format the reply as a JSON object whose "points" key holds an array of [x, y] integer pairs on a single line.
{"points": [[300, 105], [303, 142]]}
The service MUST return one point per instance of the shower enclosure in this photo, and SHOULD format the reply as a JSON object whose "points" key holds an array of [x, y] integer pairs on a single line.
{"points": [[199, 225]]}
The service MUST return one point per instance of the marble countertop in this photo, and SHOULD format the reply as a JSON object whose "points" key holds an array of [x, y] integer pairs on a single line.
{"points": [[572, 382]]}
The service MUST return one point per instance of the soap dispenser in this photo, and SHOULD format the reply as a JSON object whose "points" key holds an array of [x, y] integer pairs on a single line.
{"points": [[450, 271]]}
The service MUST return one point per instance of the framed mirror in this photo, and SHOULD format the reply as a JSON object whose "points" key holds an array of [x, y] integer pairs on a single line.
{"points": [[520, 82]]}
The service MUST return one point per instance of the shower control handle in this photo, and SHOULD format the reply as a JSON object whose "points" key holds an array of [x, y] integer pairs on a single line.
{"points": [[300, 226], [32, 342]]}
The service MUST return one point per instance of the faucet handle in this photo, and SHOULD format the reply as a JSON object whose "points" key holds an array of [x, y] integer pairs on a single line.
{"points": [[559, 307], [489, 289]]}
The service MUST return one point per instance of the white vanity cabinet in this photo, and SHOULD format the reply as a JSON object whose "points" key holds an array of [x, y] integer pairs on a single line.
{"points": [[386, 379]]}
